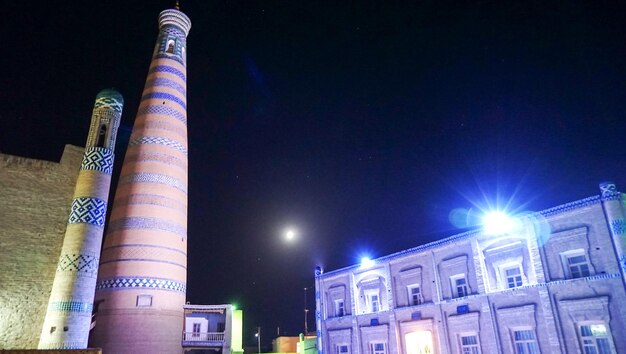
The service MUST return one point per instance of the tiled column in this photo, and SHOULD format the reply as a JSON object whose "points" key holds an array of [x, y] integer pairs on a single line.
{"points": [[68, 318]]}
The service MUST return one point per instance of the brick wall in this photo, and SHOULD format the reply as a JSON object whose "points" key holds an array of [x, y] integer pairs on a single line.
{"points": [[35, 197]]}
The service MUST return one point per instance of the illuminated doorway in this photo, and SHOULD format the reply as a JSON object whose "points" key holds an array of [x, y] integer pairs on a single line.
{"points": [[419, 342]]}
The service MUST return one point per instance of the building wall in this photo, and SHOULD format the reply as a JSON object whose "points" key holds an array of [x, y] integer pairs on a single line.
{"points": [[543, 284], [35, 198]]}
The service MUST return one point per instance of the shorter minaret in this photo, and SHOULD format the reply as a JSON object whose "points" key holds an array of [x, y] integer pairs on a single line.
{"points": [[68, 318]]}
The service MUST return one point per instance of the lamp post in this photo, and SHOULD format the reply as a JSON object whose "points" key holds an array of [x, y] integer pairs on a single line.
{"points": [[306, 311], [258, 338]]}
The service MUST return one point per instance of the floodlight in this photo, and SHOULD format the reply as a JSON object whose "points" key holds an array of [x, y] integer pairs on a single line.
{"points": [[498, 222], [366, 262]]}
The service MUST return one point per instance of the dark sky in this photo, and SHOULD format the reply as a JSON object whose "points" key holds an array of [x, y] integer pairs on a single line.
{"points": [[363, 124]]}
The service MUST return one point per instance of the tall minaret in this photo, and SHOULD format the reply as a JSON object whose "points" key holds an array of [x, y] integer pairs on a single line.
{"points": [[143, 270], [68, 317]]}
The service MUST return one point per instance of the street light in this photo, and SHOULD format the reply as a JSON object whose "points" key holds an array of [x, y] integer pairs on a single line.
{"points": [[306, 311], [258, 338]]}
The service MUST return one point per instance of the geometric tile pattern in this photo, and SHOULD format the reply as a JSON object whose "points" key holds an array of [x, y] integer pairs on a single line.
{"points": [[142, 251], [154, 199], [98, 159], [618, 226], [164, 95], [173, 31], [153, 178], [125, 283], [158, 140], [88, 210], [167, 124], [71, 306], [570, 206], [167, 69], [165, 82], [110, 103], [164, 110], [175, 58], [157, 156], [143, 223], [78, 263], [119, 260]]}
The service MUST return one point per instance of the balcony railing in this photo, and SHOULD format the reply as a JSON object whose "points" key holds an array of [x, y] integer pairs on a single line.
{"points": [[203, 336]]}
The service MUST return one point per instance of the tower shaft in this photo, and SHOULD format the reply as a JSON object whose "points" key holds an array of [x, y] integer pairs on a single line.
{"points": [[141, 285], [68, 317]]}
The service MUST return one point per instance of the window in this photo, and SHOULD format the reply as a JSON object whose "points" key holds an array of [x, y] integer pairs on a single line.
{"points": [[102, 132], [170, 46], [339, 308], [343, 348], [459, 285], [374, 303], [513, 277], [578, 266], [144, 300], [525, 342], [596, 339], [469, 344], [196, 329], [415, 295], [378, 348], [372, 300]]}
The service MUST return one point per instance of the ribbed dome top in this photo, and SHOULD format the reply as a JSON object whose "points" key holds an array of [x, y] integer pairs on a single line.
{"points": [[110, 93]]}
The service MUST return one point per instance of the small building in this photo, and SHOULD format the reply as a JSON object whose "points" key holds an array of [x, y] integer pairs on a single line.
{"points": [[212, 329], [554, 283], [292, 345]]}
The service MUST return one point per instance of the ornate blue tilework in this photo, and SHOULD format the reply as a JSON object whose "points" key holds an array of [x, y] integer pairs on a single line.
{"points": [[608, 189], [167, 69], [160, 141], [154, 178], [98, 159], [570, 206], [166, 96], [168, 125], [618, 226], [164, 110], [156, 156], [173, 31], [78, 263], [173, 57], [147, 224], [153, 199], [144, 260], [165, 82], [125, 283], [622, 262], [88, 210], [110, 103], [71, 306]]}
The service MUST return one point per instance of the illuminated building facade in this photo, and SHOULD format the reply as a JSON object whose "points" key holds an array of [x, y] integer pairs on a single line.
{"points": [[554, 284], [212, 329], [142, 279]]}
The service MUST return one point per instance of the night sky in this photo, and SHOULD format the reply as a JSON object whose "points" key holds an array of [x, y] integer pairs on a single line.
{"points": [[363, 125]]}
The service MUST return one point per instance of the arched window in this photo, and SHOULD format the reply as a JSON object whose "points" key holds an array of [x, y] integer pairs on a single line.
{"points": [[101, 135], [170, 47]]}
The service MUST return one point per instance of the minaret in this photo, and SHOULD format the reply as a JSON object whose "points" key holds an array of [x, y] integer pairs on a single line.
{"points": [[68, 318], [142, 279]]}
